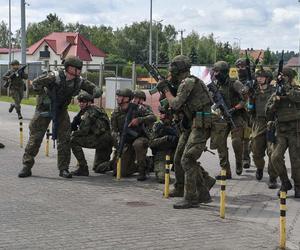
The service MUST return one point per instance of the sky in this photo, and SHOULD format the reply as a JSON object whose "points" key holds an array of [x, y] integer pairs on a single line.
{"points": [[254, 24]]}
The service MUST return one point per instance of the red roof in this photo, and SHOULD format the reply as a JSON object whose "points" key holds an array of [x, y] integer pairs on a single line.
{"points": [[69, 43], [254, 54], [294, 61], [6, 50]]}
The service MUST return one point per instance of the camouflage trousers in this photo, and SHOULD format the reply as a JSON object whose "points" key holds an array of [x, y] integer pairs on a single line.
{"points": [[188, 172], [17, 95], [37, 129], [160, 164], [260, 145], [246, 141], [219, 135], [102, 144], [133, 158], [288, 140]]}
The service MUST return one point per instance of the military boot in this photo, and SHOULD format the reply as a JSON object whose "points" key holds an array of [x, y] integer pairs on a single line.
{"points": [[185, 204], [65, 173], [239, 168], [81, 171], [19, 115], [178, 191], [204, 196], [297, 191], [259, 174], [272, 183], [25, 172], [11, 108], [228, 175], [246, 164], [103, 167], [286, 185]]}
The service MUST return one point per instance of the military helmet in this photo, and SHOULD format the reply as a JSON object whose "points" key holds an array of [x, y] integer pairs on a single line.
{"points": [[289, 72], [125, 93], [261, 72], [241, 62], [222, 67], [140, 94], [15, 62], [73, 61], [180, 64], [84, 96]]}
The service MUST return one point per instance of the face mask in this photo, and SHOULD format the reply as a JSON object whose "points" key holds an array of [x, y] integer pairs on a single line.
{"points": [[242, 73], [221, 78]]}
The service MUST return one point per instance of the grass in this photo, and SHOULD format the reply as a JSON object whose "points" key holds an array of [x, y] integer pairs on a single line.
{"points": [[32, 101]]}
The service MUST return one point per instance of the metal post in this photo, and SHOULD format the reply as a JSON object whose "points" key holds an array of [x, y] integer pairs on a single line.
{"points": [[101, 81], [156, 57], [23, 40], [150, 35], [181, 41], [133, 76], [9, 36]]}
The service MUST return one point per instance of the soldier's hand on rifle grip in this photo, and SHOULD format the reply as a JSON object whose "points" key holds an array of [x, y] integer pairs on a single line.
{"points": [[135, 122], [162, 86]]}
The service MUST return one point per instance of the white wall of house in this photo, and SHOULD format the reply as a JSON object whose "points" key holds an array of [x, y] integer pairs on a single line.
{"points": [[14, 55]]}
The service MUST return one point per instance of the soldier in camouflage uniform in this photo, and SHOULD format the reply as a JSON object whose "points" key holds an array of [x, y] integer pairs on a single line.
{"points": [[134, 153], [139, 97], [286, 107], [259, 143], [192, 102], [16, 87], [65, 83], [231, 91], [242, 74], [163, 141], [91, 128]]}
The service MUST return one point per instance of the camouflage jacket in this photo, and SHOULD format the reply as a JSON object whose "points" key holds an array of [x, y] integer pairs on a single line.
{"points": [[145, 117], [16, 83], [92, 121], [64, 90], [164, 137]]}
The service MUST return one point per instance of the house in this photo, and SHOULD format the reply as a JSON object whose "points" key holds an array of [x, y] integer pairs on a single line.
{"points": [[294, 62], [53, 48], [4, 55], [253, 53]]}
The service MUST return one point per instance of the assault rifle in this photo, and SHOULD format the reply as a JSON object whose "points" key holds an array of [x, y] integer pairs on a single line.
{"points": [[250, 82], [220, 103], [154, 72], [280, 82], [13, 75]]}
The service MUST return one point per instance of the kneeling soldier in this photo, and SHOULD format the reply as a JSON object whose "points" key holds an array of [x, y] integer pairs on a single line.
{"points": [[91, 128]]}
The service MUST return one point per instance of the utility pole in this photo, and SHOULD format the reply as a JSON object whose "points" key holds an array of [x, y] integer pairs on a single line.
{"points": [[150, 35], [23, 33], [181, 41], [9, 28], [156, 46]]}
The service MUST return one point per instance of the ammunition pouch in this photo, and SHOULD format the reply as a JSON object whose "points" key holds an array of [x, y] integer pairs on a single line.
{"points": [[202, 120]]}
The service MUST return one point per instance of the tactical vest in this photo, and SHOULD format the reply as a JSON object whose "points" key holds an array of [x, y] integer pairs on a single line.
{"points": [[261, 100], [287, 110], [99, 114], [231, 97]]}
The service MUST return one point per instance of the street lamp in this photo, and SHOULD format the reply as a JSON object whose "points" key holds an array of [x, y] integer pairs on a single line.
{"points": [[156, 52]]}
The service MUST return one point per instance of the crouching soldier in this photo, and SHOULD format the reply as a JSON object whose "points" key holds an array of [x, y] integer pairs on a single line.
{"points": [[133, 156], [163, 142], [91, 128]]}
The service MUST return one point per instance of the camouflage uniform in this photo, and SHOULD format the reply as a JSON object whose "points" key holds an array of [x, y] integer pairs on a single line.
{"points": [[163, 142], [134, 153], [16, 89], [231, 91], [259, 142], [65, 91], [93, 132], [192, 102], [287, 111]]}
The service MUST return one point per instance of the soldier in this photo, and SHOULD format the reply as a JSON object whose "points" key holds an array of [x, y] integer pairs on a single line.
{"points": [[231, 91], [139, 97], [55, 90], [2, 145], [259, 143], [163, 142], [16, 86], [135, 150], [241, 66], [192, 102], [285, 104], [91, 128]]}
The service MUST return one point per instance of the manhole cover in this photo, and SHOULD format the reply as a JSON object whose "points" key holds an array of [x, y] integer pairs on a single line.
{"points": [[138, 204]]}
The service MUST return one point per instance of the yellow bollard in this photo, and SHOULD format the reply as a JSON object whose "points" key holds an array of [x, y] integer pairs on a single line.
{"points": [[282, 227], [167, 176], [223, 194], [119, 168], [21, 132], [47, 142]]}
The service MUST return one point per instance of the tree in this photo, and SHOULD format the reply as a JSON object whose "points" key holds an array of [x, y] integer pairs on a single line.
{"points": [[4, 35], [269, 57], [193, 55]]}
